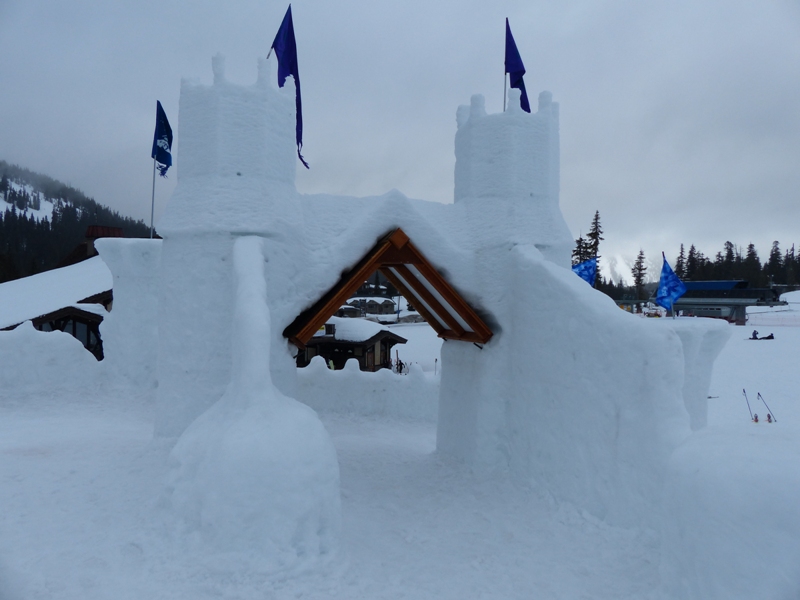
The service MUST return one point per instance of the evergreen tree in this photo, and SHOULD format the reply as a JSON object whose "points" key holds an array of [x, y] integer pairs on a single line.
{"points": [[680, 264], [581, 252], [639, 271], [790, 272], [595, 236], [29, 245], [773, 270], [691, 263], [751, 266]]}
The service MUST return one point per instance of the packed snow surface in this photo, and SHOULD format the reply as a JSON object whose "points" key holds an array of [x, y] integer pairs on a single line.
{"points": [[81, 475]]}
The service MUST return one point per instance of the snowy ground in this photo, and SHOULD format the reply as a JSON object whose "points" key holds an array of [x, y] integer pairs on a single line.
{"points": [[80, 480]]}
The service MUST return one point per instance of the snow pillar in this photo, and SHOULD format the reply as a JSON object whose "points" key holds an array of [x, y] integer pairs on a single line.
{"points": [[236, 169]]}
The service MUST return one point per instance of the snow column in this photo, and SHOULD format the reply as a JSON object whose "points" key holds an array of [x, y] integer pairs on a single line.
{"points": [[256, 476], [236, 165]]}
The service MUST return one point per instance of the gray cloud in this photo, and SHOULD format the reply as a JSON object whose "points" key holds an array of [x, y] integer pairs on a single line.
{"points": [[679, 121]]}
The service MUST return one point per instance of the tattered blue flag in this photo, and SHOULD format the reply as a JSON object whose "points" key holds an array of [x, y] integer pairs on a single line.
{"points": [[162, 141], [285, 48], [515, 69], [587, 270], [670, 287]]}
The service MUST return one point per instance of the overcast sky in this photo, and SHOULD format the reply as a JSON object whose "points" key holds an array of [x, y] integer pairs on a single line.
{"points": [[680, 121]]}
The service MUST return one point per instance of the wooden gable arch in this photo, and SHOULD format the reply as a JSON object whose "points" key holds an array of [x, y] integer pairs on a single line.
{"points": [[415, 278]]}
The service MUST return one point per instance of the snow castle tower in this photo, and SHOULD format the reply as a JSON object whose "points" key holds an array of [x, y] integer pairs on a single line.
{"points": [[507, 175], [235, 177]]}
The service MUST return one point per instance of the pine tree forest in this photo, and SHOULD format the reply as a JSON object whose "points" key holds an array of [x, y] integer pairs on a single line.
{"points": [[732, 262], [33, 239]]}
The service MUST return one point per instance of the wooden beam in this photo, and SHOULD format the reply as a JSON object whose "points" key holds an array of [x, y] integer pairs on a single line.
{"points": [[440, 329], [422, 292], [454, 299], [395, 251]]}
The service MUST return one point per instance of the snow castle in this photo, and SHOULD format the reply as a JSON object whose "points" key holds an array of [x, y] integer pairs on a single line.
{"points": [[570, 394]]}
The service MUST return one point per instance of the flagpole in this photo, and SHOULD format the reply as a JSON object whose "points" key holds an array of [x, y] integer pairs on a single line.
{"points": [[153, 199], [505, 85]]}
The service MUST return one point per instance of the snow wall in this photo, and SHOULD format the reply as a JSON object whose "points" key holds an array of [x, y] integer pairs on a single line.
{"points": [[382, 393], [572, 394], [130, 330]]}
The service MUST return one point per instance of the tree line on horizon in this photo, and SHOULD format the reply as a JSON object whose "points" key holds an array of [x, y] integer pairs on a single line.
{"points": [[781, 267], [29, 245]]}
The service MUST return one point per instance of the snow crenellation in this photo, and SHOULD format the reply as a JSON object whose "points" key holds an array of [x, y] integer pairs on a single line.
{"points": [[584, 409]]}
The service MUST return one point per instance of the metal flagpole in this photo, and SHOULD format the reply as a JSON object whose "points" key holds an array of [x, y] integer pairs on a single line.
{"points": [[153, 199], [505, 85]]}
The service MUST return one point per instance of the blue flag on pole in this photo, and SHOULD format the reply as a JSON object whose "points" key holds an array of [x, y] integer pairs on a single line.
{"points": [[285, 48], [587, 270], [162, 141], [515, 69], [670, 287]]}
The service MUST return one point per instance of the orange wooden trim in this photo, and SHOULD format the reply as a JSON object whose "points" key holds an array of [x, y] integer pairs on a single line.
{"points": [[394, 250]]}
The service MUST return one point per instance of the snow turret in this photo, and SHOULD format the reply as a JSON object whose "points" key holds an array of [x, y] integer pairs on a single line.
{"points": [[507, 175], [236, 169], [236, 155]]}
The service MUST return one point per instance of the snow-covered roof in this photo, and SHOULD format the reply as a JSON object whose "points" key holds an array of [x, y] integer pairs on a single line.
{"points": [[355, 330], [377, 299], [31, 297]]}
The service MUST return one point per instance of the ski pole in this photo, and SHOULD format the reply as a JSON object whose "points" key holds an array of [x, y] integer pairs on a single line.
{"points": [[768, 408], [748, 404]]}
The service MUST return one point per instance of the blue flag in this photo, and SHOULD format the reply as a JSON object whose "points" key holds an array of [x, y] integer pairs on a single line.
{"points": [[670, 287], [285, 48], [515, 69], [162, 141], [587, 270]]}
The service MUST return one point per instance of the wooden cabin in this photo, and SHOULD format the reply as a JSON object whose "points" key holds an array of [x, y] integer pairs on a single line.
{"points": [[341, 339]]}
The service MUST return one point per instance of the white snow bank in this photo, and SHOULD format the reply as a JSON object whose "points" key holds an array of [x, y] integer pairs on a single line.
{"points": [[384, 393], [37, 362], [256, 476], [31, 297]]}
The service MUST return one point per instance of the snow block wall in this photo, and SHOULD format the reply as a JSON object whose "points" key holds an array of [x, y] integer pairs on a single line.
{"points": [[507, 175], [130, 330], [572, 394], [703, 340], [382, 393], [235, 177], [255, 477]]}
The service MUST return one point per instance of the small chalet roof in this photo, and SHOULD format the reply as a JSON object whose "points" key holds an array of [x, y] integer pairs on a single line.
{"points": [[43, 293], [375, 299], [358, 331], [410, 272]]}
